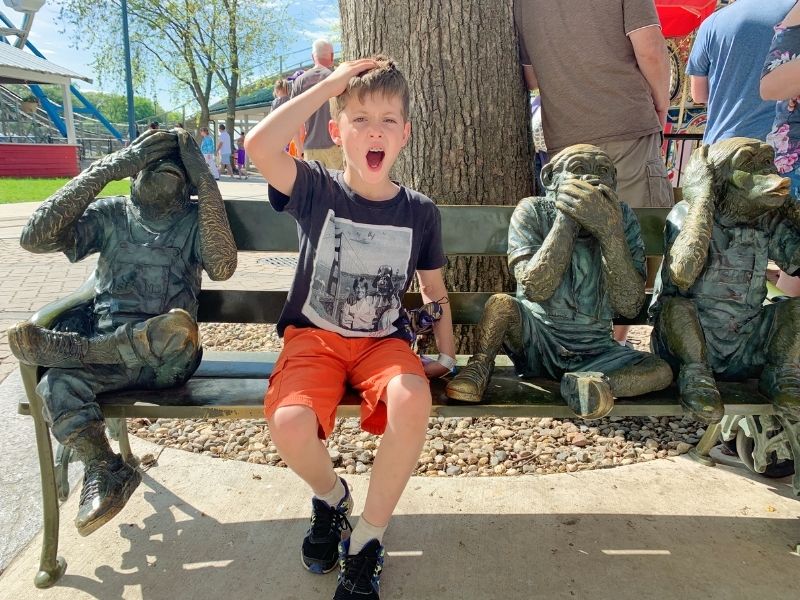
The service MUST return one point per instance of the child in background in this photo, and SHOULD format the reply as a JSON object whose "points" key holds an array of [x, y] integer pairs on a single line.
{"points": [[207, 149], [241, 158]]}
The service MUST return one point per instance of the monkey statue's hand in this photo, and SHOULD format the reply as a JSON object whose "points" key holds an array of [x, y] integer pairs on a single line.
{"points": [[193, 161], [687, 256], [594, 207], [148, 148], [698, 179]]}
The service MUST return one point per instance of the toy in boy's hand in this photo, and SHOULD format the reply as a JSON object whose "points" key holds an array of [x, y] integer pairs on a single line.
{"points": [[417, 324]]}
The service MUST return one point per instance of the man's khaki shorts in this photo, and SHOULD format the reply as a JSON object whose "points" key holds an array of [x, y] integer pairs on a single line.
{"points": [[642, 180], [331, 158]]}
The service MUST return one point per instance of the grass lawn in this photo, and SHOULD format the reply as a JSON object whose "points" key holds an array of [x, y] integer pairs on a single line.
{"points": [[35, 190]]}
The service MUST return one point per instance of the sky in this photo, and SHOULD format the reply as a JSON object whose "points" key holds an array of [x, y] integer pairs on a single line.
{"points": [[315, 19]]}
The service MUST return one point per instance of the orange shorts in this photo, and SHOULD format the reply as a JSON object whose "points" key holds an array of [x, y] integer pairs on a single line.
{"points": [[316, 365]]}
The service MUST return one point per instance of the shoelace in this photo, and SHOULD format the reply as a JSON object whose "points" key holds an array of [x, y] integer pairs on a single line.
{"points": [[328, 520], [360, 569], [91, 481]]}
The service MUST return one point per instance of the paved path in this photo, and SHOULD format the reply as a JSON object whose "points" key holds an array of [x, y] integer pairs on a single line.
{"points": [[199, 528]]}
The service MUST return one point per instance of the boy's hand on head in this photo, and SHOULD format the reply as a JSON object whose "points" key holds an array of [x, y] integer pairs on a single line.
{"points": [[339, 79]]}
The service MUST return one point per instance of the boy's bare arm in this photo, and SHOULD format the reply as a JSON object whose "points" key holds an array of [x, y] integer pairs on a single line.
{"points": [[432, 289], [265, 143]]}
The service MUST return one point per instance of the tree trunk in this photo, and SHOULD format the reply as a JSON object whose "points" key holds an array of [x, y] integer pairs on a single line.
{"points": [[470, 140]]}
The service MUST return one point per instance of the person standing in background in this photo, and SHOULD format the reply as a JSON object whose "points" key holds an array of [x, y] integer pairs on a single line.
{"points": [[241, 158], [224, 150], [725, 64], [207, 149], [780, 80], [318, 144]]}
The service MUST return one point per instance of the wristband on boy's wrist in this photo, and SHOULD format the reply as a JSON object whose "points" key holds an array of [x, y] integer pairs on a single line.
{"points": [[448, 362]]}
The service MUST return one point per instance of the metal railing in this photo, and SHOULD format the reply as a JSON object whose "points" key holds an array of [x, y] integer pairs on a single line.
{"points": [[89, 148], [678, 147]]}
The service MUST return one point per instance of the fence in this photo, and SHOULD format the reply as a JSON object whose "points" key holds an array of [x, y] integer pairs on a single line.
{"points": [[678, 147]]}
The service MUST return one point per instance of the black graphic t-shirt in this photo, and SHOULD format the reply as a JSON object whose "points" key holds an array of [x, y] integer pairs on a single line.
{"points": [[357, 256]]}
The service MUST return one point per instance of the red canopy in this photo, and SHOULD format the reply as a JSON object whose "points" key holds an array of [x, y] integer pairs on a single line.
{"points": [[680, 17]]}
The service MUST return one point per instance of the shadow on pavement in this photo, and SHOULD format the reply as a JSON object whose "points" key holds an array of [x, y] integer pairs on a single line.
{"points": [[180, 552]]}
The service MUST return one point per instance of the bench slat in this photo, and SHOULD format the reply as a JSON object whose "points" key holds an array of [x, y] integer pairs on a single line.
{"points": [[264, 306], [507, 396], [466, 229]]}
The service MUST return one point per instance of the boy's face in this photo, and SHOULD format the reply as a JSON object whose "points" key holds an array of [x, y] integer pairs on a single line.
{"points": [[371, 134]]}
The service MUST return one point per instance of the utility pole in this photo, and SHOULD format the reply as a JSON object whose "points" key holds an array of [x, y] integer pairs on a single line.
{"points": [[128, 77]]}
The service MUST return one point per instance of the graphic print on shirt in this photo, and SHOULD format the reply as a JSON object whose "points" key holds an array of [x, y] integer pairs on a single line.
{"points": [[359, 275]]}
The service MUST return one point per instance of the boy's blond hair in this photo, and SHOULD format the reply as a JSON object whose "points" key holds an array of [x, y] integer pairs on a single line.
{"points": [[385, 79]]}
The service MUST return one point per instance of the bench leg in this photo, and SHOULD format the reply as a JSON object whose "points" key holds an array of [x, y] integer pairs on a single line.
{"points": [[701, 451], [124, 442], [63, 458], [51, 566]]}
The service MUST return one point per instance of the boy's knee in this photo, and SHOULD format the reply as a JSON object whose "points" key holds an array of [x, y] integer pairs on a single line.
{"points": [[409, 398], [293, 423], [165, 337]]}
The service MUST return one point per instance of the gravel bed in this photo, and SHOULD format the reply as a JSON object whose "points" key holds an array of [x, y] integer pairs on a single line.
{"points": [[455, 447]]}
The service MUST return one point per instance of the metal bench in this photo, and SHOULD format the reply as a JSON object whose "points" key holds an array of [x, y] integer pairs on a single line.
{"points": [[232, 384]]}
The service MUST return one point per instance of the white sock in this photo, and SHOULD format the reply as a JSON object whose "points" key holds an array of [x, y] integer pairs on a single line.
{"points": [[622, 343], [363, 532], [336, 494]]}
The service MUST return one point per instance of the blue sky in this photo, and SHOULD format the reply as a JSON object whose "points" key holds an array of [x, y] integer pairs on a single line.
{"points": [[314, 17]]}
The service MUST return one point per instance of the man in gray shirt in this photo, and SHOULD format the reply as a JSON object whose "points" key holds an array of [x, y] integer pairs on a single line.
{"points": [[317, 144], [603, 75]]}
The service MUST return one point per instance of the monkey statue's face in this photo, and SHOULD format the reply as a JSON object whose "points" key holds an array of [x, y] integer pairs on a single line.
{"points": [[160, 189], [753, 186], [582, 161]]}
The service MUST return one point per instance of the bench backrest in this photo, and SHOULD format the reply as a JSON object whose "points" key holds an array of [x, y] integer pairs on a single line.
{"points": [[466, 230]]}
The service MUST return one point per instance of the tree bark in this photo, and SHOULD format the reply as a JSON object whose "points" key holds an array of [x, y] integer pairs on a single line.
{"points": [[470, 141]]}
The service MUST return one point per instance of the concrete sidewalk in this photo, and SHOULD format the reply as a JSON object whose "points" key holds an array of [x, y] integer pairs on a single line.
{"points": [[200, 528]]}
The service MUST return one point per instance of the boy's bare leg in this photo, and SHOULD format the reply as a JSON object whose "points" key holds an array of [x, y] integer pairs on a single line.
{"points": [[408, 402], [294, 432]]}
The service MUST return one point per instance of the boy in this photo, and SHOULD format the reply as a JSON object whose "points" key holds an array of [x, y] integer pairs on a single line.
{"points": [[352, 224]]}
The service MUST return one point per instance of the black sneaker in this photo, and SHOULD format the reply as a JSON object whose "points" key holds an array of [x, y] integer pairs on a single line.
{"points": [[320, 551], [360, 574]]}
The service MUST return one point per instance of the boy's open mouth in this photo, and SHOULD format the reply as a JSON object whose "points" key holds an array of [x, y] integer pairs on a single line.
{"points": [[375, 158]]}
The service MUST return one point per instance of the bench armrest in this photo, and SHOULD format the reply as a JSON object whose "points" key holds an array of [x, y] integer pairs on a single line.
{"points": [[46, 316]]}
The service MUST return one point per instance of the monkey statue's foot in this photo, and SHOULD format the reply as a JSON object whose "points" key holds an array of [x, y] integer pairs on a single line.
{"points": [[471, 381], [781, 383], [587, 393], [698, 393], [34, 345]]}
